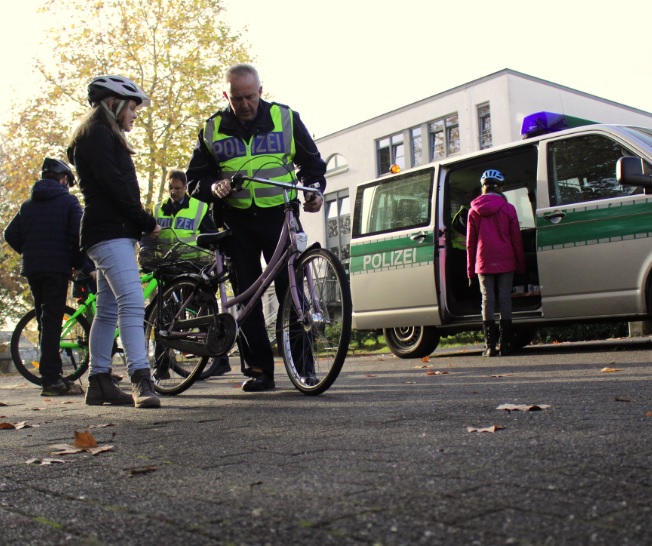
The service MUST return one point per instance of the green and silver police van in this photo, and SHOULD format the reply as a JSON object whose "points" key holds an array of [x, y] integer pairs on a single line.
{"points": [[583, 193]]}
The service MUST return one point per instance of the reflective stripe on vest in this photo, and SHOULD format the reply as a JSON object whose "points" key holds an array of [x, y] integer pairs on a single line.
{"points": [[185, 224], [267, 155]]}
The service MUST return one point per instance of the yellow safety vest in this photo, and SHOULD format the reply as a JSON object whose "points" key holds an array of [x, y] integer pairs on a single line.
{"points": [[267, 155], [185, 224]]}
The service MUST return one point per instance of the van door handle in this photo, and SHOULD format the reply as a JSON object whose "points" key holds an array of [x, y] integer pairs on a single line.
{"points": [[419, 237], [555, 217]]}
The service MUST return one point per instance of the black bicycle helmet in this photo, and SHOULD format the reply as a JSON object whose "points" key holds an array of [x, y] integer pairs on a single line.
{"points": [[492, 177], [115, 86], [55, 167]]}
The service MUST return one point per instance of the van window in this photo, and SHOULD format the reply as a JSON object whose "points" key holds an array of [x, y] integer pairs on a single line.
{"points": [[396, 203], [584, 169]]}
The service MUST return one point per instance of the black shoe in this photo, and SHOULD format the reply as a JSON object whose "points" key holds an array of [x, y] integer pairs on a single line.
{"points": [[310, 380], [222, 368], [61, 388], [259, 384]]}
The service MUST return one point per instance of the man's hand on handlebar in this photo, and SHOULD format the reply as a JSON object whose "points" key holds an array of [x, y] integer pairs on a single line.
{"points": [[312, 202], [222, 189]]}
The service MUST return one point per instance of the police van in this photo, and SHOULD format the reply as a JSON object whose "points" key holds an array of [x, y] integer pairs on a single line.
{"points": [[583, 193]]}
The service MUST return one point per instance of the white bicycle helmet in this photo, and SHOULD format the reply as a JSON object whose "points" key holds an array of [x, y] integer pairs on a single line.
{"points": [[115, 86], [492, 177]]}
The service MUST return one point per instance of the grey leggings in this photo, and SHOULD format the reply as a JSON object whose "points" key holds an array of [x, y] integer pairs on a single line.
{"points": [[488, 285]]}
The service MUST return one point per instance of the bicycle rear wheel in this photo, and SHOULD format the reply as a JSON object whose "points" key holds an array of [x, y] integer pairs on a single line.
{"points": [[313, 351], [174, 371], [26, 346]]}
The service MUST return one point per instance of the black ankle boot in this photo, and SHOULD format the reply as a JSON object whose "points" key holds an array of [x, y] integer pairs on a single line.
{"points": [[505, 337], [489, 327]]}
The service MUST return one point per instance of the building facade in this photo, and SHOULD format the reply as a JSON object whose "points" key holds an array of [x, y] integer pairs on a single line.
{"points": [[471, 117]]}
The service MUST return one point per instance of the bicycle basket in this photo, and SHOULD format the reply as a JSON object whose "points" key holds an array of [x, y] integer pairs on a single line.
{"points": [[174, 258]]}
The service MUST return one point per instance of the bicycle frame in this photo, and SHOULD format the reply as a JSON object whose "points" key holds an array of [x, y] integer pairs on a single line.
{"points": [[286, 253]]}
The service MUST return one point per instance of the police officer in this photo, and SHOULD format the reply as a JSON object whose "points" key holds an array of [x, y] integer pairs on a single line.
{"points": [[268, 140], [181, 218], [45, 231]]}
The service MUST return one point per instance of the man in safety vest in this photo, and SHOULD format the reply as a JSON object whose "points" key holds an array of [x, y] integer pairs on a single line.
{"points": [[185, 217], [266, 140]]}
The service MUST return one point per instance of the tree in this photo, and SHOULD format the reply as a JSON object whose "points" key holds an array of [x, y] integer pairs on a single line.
{"points": [[176, 50]]}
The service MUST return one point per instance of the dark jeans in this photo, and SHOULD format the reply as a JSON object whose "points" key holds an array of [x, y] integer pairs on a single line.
{"points": [[256, 231], [49, 291]]}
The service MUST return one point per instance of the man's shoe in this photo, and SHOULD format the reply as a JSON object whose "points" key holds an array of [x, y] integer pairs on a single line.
{"points": [[222, 368], [310, 380], [259, 384], [61, 388]]}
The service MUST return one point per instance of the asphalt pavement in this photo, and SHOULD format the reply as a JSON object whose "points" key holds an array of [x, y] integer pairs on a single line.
{"points": [[397, 452]]}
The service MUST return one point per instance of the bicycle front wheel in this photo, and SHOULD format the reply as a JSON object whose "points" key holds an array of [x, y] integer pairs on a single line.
{"points": [[73, 347], [314, 348], [174, 370]]}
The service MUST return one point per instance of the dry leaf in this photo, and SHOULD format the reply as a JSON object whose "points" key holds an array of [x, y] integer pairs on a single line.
{"points": [[503, 375], [102, 426], [426, 358], [648, 414], [3, 404], [621, 399], [436, 373], [99, 449], [65, 449], [45, 461], [6, 426], [141, 470], [421, 367], [523, 407], [23, 424], [84, 440], [492, 428], [370, 375], [37, 409], [611, 370]]}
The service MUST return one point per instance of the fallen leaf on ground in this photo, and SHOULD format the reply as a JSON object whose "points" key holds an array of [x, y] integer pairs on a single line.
{"points": [[621, 399], [648, 414], [3, 404], [611, 370], [65, 449], [492, 428], [426, 358], [436, 373], [84, 439], [102, 426], [99, 449], [6, 426], [37, 409], [523, 407], [45, 461], [141, 470], [421, 367], [502, 375], [370, 375]]}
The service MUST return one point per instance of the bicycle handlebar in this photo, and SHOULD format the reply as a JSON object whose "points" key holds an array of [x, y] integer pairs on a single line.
{"points": [[238, 179]]}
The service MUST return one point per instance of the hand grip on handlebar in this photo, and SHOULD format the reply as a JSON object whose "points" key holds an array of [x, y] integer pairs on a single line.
{"points": [[236, 181]]}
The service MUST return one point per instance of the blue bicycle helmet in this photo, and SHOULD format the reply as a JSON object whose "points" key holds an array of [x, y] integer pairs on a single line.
{"points": [[492, 177]]}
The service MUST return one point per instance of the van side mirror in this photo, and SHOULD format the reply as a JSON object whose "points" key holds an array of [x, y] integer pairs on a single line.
{"points": [[629, 172]]}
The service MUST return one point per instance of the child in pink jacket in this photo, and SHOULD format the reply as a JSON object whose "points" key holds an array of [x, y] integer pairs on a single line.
{"points": [[494, 250]]}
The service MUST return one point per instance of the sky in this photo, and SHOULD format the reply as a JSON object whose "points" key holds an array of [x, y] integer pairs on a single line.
{"points": [[342, 62]]}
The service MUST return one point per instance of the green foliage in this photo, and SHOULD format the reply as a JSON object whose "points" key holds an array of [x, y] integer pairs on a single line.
{"points": [[582, 332]]}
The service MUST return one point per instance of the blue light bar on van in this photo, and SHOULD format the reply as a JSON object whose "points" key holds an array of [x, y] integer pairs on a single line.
{"points": [[542, 123]]}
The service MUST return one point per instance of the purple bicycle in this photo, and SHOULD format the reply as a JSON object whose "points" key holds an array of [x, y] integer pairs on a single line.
{"points": [[196, 316]]}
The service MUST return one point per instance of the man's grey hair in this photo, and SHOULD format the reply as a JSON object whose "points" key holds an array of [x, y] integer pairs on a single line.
{"points": [[241, 70]]}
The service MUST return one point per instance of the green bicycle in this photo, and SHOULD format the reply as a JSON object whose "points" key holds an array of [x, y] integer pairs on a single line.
{"points": [[25, 344]]}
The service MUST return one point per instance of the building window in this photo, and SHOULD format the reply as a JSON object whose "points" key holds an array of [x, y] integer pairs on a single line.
{"points": [[338, 224], [416, 147], [444, 137], [390, 150], [484, 126], [336, 164]]}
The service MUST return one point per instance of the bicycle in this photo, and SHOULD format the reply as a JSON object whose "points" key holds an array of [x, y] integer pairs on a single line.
{"points": [[313, 326], [75, 330]]}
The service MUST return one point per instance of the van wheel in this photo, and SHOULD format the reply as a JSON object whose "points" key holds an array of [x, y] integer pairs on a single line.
{"points": [[522, 336], [412, 341]]}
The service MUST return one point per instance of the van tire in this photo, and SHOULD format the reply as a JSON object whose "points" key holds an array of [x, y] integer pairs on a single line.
{"points": [[522, 336], [412, 341]]}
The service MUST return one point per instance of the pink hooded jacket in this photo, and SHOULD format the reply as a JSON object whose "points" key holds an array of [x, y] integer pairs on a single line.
{"points": [[493, 237]]}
